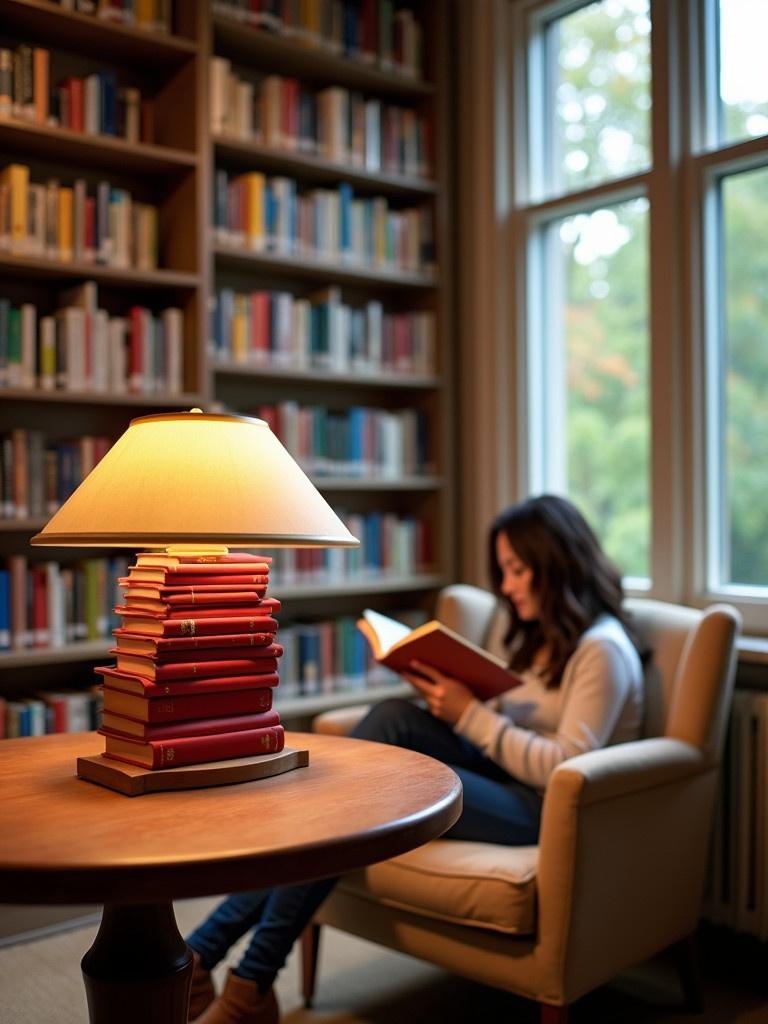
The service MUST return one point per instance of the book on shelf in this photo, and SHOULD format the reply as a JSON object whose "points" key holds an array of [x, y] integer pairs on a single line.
{"points": [[254, 619], [259, 660], [165, 648], [194, 749], [132, 682], [120, 725], [164, 708], [397, 645]]}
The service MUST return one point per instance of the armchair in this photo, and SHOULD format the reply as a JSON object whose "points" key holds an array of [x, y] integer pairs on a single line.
{"points": [[618, 873]]}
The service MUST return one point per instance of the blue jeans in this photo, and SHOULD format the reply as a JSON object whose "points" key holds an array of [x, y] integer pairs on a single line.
{"points": [[497, 809]]}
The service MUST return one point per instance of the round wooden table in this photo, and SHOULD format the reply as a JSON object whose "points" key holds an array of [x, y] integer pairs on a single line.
{"points": [[65, 840]]}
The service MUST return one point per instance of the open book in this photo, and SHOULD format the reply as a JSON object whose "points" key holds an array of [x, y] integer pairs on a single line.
{"points": [[396, 645]]}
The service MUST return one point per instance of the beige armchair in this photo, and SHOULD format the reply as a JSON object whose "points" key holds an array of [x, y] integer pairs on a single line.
{"points": [[619, 870]]}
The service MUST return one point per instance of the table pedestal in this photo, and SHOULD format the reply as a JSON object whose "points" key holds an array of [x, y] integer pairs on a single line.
{"points": [[139, 968]]}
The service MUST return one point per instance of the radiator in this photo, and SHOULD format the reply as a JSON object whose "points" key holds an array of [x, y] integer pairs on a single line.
{"points": [[737, 886]]}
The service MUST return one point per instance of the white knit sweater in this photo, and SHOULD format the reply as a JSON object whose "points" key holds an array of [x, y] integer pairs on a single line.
{"points": [[530, 730]]}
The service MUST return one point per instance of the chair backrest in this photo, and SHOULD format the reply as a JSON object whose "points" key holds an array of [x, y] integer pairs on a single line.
{"points": [[688, 673]]}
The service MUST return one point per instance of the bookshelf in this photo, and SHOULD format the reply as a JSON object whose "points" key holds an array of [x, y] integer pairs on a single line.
{"points": [[393, 296]]}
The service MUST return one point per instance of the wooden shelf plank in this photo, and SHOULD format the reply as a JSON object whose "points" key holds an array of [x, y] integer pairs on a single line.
{"points": [[316, 269], [315, 703], [234, 38], [246, 154], [355, 586], [384, 379], [27, 525], [96, 398], [102, 151], [36, 656], [56, 26], [42, 268], [352, 483]]}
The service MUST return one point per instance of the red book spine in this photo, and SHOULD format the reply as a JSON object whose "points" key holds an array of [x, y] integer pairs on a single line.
{"points": [[187, 581], [122, 725], [177, 709], [194, 646], [188, 671], [159, 588], [244, 620], [214, 612], [74, 87], [154, 558], [132, 682], [232, 596], [213, 656], [197, 749]]}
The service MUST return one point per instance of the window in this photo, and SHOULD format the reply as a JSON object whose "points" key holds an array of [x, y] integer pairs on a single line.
{"points": [[739, 366], [743, 113], [598, 59], [588, 280], [642, 199]]}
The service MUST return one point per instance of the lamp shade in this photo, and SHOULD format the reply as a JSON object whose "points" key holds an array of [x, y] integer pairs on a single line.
{"points": [[191, 478]]}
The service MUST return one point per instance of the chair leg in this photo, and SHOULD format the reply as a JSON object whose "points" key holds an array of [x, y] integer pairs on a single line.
{"points": [[554, 1014], [310, 947], [686, 962]]}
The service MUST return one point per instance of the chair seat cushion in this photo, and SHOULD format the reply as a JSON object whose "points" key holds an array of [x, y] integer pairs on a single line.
{"points": [[477, 884]]}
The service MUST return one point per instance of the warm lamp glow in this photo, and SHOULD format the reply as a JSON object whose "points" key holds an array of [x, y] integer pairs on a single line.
{"points": [[196, 479]]}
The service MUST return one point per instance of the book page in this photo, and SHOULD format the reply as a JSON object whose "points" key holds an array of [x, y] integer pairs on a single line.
{"points": [[388, 631]]}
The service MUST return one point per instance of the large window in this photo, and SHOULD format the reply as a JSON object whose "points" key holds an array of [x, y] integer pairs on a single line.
{"points": [[642, 200]]}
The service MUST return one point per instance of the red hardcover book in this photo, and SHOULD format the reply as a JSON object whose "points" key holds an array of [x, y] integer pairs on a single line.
{"points": [[120, 725], [186, 604], [161, 591], [397, 645], [248, 620], [179, 581], [237, 645], [197, 666], [132, 682], [159, 558], [75, 95], [195, 749], [180, 709], [212, 655]]}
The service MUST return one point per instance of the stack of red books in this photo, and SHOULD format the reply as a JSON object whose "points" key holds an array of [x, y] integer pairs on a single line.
{"points": [[196, 662]]}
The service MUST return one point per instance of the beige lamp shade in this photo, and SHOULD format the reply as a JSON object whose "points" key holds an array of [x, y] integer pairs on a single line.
{"points": [[192, 478]]}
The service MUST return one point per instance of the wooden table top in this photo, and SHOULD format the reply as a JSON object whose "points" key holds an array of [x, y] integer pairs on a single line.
{"points": [[66, 840]]}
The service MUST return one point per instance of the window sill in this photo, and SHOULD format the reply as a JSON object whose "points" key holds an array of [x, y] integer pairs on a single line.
{"points": [[753, 650]]}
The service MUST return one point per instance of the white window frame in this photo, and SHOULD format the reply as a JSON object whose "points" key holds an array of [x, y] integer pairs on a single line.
{"points": [[682, 189]]}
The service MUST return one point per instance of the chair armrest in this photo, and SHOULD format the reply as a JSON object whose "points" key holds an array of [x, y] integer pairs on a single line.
{"points": [[622, 855], [628, 767]]}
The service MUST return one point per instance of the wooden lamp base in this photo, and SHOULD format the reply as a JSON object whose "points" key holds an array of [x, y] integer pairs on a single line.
{"points": [[134, 781]]}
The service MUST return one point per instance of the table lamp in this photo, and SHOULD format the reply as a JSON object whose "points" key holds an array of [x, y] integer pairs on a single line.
{"points": [[192, 484]]}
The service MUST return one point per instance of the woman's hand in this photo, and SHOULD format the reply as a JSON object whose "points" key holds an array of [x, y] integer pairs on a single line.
{"points": [[446, 697]]}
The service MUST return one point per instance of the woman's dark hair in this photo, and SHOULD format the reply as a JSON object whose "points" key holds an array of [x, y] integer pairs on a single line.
{"points": [[573, 580]]}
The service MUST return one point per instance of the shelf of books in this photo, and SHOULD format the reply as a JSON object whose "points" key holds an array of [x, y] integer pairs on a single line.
{"points": [[205, 206], [101, 306], [329, 291]]}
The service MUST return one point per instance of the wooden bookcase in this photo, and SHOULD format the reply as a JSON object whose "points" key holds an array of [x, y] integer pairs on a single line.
{"points": [[176, 171]]}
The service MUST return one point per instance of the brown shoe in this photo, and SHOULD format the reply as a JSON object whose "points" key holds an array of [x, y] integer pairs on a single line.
{"points": [[241, 1002], [203, 993]]}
